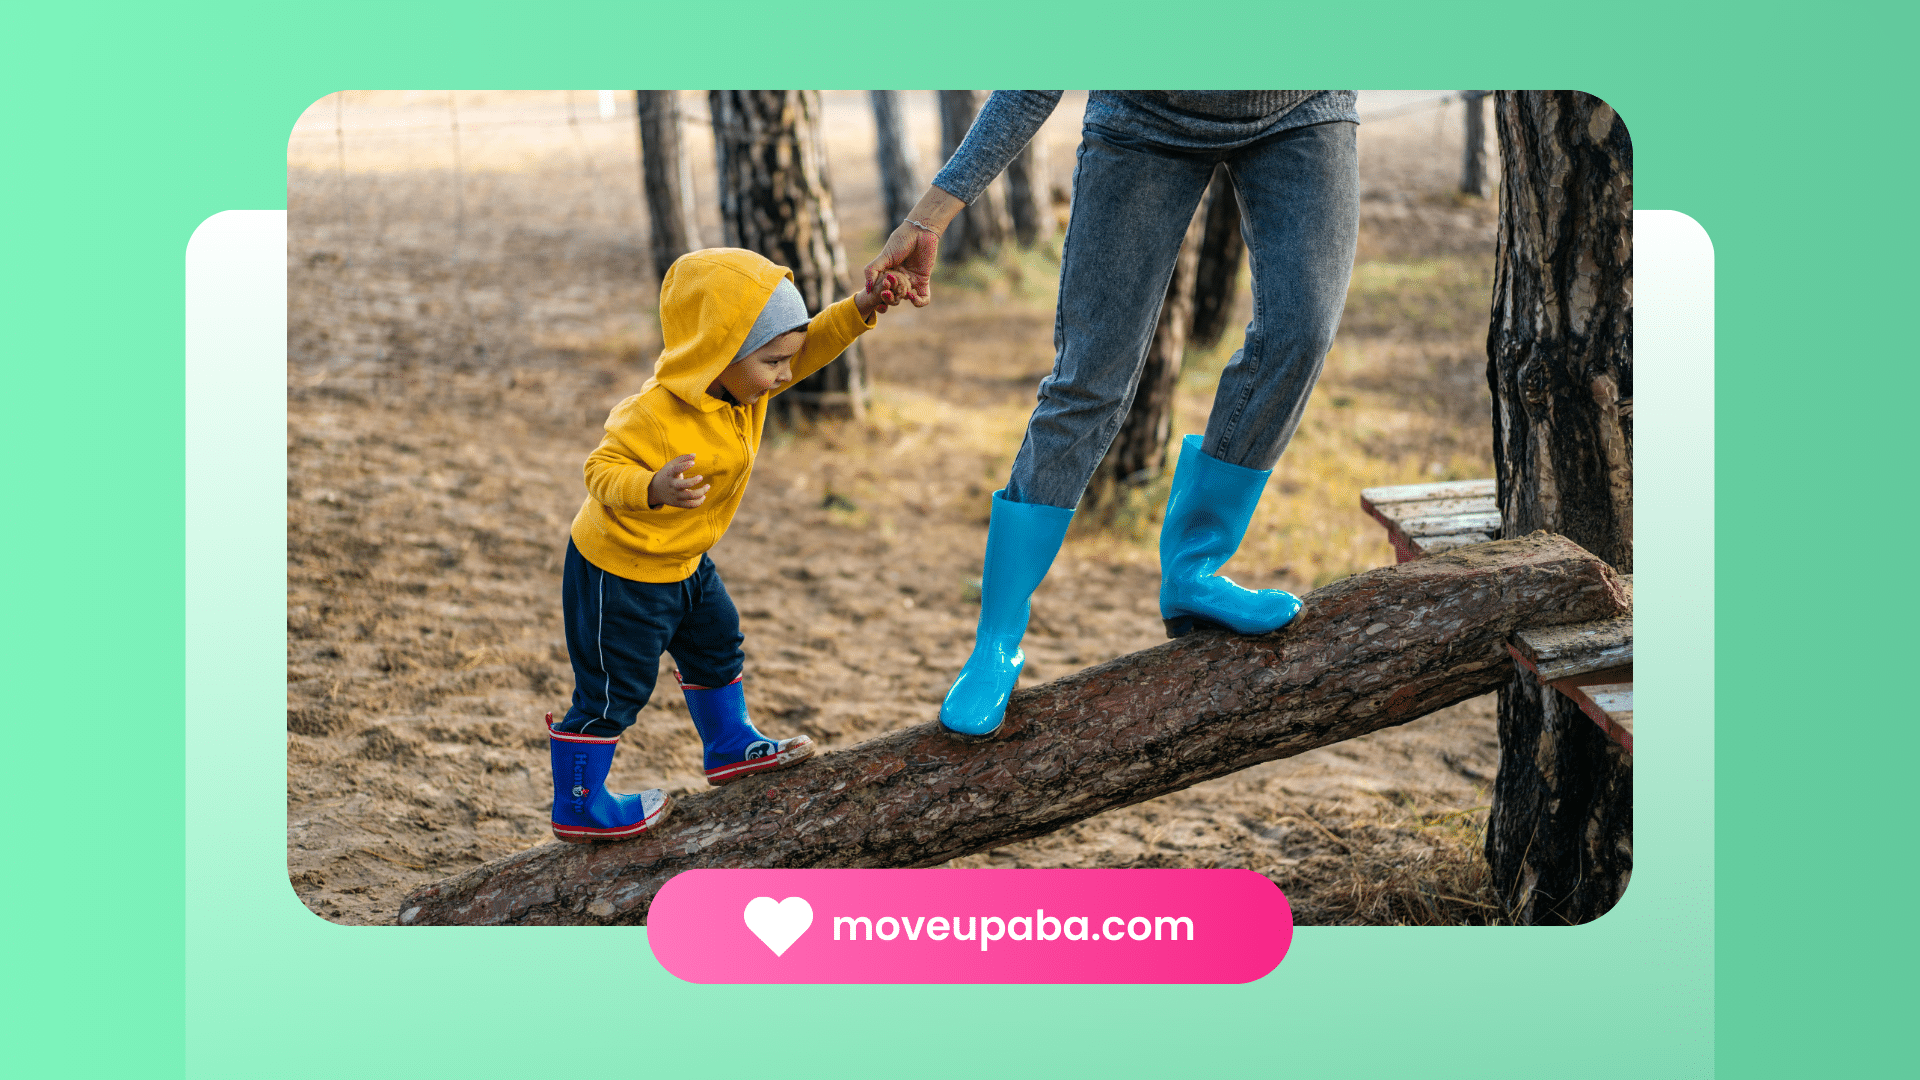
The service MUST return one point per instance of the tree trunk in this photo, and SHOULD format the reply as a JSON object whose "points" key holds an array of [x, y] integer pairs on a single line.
{"points": [[1372, 651], [1139, 450], [980, 229], [775, 199], [1029, 198], [1221, 252], [666, 178], [1473, 166], [1560, 365], [899, 187]]}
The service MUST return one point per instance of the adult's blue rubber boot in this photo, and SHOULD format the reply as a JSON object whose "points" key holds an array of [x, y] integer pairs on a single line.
{"points": [[1207, 516], [1022, 539], [583, 809], [734, 747]]}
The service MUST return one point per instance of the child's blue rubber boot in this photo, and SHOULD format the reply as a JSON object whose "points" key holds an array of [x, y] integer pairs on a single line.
{"points": [[1207, 515], [1022, 539], [583, 809], [735, 748]]}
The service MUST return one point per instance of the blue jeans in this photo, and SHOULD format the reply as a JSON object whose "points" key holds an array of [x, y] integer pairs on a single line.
{"points": [[1132, 200], [617, 628]]}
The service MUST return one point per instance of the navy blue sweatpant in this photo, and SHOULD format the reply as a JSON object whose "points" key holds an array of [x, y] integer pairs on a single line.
{"points": [[617, 629]]}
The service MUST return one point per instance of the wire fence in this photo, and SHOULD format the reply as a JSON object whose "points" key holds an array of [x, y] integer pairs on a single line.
{"points": [[595, 132], [509, 228], [1409, 108]]}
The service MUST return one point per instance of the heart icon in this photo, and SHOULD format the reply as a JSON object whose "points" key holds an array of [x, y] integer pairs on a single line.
{"points": [[780, 924]]}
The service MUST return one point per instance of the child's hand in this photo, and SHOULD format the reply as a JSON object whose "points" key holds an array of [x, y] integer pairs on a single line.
{"points": [[887, 290], [671, 488]]}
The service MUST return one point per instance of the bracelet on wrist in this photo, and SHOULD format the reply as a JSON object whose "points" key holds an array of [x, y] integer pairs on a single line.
{"points": [[924, 227]]}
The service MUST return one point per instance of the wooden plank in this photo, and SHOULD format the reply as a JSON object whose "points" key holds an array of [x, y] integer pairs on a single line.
{"points": [[1618, 729], [1403, 550], [1564, 652], [1621, 674], [1434, 545], [1614, 699], [1590, 662], [1609, 705], [1441, 525], [1450, 489], [1401, 511], [1425, 519], [1580, 649]]}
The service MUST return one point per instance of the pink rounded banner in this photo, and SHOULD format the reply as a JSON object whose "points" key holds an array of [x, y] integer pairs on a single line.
{"points": [[969, 926]]}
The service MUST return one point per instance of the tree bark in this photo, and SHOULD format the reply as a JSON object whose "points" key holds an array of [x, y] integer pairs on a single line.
{"points": [[1139, 450], [1473, 164], [1560, 365], [775, 199], [1029, 199], [1221, 252], [980, 229], [899, 164], [1372, 651], [665, 178]]}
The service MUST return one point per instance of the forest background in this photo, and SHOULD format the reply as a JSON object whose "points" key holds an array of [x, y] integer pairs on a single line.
{"points": [[470, 290]]}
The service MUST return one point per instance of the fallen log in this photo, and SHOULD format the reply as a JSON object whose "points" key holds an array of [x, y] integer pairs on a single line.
{"points": [[1369, 652]]}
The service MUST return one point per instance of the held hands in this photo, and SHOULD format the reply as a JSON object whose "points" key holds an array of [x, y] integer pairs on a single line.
{"points": [[671, 488], [913, 245], [909, 250], [888, 290]]}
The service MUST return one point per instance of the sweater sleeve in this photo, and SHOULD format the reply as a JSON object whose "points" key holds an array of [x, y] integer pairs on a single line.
{"points": [[1007, 122], [828, 335], [621, 468]]}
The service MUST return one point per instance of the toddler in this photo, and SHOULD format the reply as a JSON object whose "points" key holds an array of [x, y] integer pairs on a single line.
{"points": [[662, 488]]}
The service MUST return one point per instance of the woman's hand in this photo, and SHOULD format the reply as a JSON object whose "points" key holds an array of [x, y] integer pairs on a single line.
{"points": [[909, 253], [912, 247]]}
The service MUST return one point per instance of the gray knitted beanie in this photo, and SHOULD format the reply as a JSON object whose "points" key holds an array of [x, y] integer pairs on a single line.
{"points": [[785, 311]]}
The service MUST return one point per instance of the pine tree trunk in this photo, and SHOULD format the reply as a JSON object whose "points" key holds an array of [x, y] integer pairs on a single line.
{"points": [[1029, 201], [775, 200], [1139, 451], [1372, 651], [1560, 365], [980, 229], [1222, 250], [899, 186], [1473, 165], [664, 176]]}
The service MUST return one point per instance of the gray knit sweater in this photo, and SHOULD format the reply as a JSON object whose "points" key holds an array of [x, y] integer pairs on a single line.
{"points": [[1179, 119]]}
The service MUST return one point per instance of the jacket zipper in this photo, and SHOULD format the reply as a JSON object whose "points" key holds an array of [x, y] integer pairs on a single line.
{"points": [[734, 417]]}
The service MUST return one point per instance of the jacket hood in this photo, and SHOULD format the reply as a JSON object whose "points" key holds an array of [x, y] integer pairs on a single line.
{"points": [[708, 302]]}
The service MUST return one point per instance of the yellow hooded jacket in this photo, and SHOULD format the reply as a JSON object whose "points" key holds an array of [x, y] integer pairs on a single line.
{"points": [[708, 302]]}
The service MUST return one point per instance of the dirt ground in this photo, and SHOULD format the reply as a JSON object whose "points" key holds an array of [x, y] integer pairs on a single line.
{"points": [[465, 306]]}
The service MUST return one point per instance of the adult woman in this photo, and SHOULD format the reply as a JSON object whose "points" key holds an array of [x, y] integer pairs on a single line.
{"points": [[1144, 162]]}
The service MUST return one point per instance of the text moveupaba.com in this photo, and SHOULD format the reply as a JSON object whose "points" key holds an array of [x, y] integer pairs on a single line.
{"points": [[991, 928]]}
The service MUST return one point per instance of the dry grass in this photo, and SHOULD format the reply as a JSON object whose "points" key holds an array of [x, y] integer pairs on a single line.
{"points": [[455, 342]]}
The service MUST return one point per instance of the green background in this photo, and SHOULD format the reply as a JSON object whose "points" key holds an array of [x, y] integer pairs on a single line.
{"points": [[150, 927]]}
